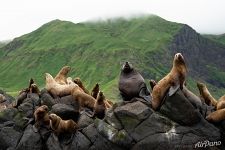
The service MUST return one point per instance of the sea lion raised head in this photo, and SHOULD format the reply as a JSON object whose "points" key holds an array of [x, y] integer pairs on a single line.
{"points": [[205, 94], [62, 126], [62, 75], [100, 106], [34, 89], [127, 67], [41, 117], [95, 91], [132, 84], [174, 80]]}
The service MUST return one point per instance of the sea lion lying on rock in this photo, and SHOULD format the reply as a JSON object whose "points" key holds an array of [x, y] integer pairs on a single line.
{"points": [[62, 126], [57, 89], [132, 84], [83, 99], [62, 75], [207, 97], [172, 81], [216, 116], [221, 103], [78, 81]]}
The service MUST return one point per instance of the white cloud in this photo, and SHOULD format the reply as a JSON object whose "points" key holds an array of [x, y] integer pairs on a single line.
{"points": [[22, 16]]}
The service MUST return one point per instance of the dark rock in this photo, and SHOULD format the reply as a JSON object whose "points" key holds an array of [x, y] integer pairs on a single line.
{"points": [[131, 114], [117, 137], [159, 141], [111, 119], [33, 140], [79, 142], [9, 137], [179, 109], [53, 143], [98, 141], [46, 99], [154, 124], [84, 120], [27, 107], [65, 111], [8, 114]]}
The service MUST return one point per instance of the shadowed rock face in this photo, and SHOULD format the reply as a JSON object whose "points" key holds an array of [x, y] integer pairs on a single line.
{"points": [[127, 125], [199, 53]]}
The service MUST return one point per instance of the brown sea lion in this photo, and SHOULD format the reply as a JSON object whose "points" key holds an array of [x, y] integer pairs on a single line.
{"points": [[62, 126], [70, 81], [41, 117], [207, 97], [57, 89], [83, 99], [62, 75], [100, 106], [216, 116], [34, 89], [152, 83], [95, 91], [132, 84], [172, 81], [78, 81], [221, 103]]}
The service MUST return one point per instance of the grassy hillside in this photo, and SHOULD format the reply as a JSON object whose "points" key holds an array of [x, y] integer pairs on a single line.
{"points": [[218, 38], [94, 50]]}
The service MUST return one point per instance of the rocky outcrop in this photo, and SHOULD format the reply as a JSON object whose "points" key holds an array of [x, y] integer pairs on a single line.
{"points": [[127, 125]]}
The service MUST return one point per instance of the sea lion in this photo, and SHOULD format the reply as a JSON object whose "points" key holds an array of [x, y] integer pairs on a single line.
{"points": [[70, 81], [100, 106], [57, 89], [95, 91], [152, 83], [34, 89], [83, 99], [62, 126], [216, 116], [2, 98], [132, 84], [62, 75], [221, 103], [171, 82], [78, 81], [207, 97], [41, 117]]}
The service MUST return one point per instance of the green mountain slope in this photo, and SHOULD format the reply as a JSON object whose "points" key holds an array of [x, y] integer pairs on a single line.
{"points": [[218, 38], [95, 51]]}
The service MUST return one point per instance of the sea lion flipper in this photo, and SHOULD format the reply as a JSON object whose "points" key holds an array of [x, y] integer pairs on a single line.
{"points": [[173, 89], [145, 94]]}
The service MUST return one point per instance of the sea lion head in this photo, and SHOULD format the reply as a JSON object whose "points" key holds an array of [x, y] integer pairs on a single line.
{"points": [[34, 88], [127, 67], [48, 77], [178, 59], [77, 81], [100, 97], [41, 111], [54, 121], [200, 85], [66, 69]]}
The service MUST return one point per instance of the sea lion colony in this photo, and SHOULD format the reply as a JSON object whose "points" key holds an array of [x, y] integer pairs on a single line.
{"points": [[131, 84]]}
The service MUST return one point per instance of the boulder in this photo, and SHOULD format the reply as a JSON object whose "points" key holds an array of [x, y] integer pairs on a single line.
{"points": [[65, 111]]}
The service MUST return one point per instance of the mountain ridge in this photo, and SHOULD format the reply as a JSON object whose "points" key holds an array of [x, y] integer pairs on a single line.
{"points": [[91, 47]]}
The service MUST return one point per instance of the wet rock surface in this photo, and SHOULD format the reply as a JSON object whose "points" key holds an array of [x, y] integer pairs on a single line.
{"points": [[133, 125]]}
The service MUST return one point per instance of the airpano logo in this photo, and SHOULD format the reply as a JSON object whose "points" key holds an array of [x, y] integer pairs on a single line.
{"points": [[207, 143]]}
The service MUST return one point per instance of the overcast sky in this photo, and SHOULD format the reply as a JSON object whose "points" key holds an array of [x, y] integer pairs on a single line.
{"points": [[23, 16]]}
